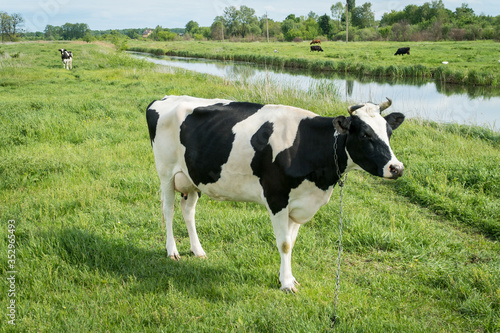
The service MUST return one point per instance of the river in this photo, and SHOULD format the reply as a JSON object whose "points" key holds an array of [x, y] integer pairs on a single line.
{"points": [[423, 99]]}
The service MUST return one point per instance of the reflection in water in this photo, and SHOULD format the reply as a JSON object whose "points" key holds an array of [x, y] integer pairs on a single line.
{"points": [[417, 98]]}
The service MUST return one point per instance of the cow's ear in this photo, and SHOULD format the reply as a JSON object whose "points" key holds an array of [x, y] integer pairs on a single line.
{"points": [[342, 124], [395, 119]]}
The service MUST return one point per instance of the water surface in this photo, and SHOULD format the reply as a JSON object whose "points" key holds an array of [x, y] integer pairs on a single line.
{"points": [[423, 99]]}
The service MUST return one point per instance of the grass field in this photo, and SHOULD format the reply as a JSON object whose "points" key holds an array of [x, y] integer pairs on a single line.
{"points": [[474, 63], [77, 175]]}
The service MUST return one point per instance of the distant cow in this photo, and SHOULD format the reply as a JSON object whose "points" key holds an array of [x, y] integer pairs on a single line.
{"points": [[315, 41], [67, 58], [402, 51], [285, 158], [316, 48]]}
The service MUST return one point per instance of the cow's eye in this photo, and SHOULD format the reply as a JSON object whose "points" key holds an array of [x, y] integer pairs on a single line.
{"points": [[365, 136]]}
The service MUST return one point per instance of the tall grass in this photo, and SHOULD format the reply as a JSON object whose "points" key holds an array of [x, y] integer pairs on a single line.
{"points": [[77, 175]]}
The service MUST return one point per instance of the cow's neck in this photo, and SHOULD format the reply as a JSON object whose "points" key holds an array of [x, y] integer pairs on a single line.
{"points": [[340, 155]]}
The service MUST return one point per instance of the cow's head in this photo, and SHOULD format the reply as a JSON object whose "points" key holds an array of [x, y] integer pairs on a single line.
{"points": [[367, 141]]}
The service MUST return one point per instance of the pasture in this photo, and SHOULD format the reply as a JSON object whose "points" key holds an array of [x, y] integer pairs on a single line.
{"points": [[77, 175], [474, 63]]}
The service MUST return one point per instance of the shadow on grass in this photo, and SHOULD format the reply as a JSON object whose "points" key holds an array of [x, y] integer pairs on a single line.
{"points": [[152, 270]]}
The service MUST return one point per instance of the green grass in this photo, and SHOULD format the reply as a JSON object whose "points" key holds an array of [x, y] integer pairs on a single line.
{"points": [[473, 63], [77, 175]]}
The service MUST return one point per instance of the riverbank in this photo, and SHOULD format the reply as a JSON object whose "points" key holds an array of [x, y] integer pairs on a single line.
{"points": [[471, 63], [77, 175]]}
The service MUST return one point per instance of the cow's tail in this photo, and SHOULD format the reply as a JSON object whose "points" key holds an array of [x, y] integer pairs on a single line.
{"points": [[152, 118]]}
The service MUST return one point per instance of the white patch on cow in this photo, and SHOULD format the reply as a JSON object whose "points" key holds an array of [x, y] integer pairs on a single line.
{"points": [[306, 200], [285, 120]]}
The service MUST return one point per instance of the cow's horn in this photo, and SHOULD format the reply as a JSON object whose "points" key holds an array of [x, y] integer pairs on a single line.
{"points": [[353, 108], [385, 105]]}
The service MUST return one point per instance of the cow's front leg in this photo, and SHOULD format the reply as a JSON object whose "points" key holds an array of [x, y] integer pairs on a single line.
{"points": [[284, 234]]}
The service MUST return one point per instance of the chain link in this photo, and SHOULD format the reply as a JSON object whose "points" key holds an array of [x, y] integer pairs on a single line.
{"points": [[341, 183]]}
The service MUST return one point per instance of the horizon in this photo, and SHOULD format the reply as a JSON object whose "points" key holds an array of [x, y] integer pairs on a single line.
{"points": [[111, 15]]}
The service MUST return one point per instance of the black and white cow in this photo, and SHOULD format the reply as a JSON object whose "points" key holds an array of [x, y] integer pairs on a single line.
{"points": [[279, 156], [67, 58]]}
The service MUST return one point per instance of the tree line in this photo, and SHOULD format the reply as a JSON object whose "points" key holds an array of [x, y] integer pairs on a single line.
{"points": [[430, 21]]}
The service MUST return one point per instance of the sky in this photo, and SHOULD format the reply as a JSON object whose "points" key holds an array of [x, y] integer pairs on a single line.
{"points": [[123, 14]]}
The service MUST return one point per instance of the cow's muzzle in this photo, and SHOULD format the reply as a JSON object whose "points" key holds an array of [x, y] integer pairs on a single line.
{"points": [[396, 170]]}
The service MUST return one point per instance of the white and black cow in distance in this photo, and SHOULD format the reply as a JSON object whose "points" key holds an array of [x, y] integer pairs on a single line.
{"points": [[67, 58], [279, 156]]}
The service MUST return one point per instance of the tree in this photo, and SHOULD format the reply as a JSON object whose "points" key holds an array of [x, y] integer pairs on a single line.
{"points": [[16, 20], [292, 17], [248, 22], [337, 11], [464, 15], [192, 27], [231, 21], [309, 29], [70, 31], [9, 25], [363, 17], [217, 29], [52, 32], [313, 15], [324, 25], [351, 4], [287, 27]]}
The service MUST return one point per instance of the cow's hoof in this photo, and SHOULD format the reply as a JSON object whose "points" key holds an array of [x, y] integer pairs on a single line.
{"points": [[198, 251], [289, 290], [175, 257], [199, 254]]}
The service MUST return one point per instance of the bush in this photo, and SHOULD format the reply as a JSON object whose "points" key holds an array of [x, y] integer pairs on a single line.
{"points": [[367, 34], [457, 34], [489, 33]]}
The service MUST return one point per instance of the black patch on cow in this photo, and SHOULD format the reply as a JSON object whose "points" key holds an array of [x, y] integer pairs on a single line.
{"points": [[310, 157], [152, 118], [394, 120], [366, 149], [208, 137]]}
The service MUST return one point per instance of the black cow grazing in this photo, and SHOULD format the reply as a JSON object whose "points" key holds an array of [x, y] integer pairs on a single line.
{"points": [[402, 51], [285, 158], [316, 48], [67, 58]]}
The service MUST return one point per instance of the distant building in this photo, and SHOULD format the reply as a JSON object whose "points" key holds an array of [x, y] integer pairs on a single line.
{"points": [[146, 33]]}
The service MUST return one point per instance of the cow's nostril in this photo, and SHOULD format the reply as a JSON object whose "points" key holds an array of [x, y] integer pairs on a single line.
{"points": [[396, 170]]}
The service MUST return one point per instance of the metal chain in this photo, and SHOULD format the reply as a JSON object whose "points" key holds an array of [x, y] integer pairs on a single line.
{"points": [[341, 183]]}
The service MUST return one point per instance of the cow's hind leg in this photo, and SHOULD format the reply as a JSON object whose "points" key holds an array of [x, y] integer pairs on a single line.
{"points": [[285, 235], [168, 200], [188, 205]]}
